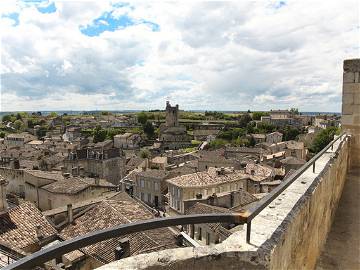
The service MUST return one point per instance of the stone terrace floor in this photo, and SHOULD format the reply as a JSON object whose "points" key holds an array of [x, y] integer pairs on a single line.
{"points": [[342, 248]]}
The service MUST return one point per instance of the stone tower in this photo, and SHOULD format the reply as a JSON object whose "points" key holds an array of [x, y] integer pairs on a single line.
{"points": [[3, 203], [350, 119], [172, 115]]}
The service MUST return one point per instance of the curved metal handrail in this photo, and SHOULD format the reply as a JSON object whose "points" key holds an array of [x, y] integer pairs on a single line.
{"points": [[55, 251]]}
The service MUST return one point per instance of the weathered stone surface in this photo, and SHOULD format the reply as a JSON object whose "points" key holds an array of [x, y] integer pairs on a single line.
{"points": [[349, 77], [348, 99], [351, 88], [352, 65]]}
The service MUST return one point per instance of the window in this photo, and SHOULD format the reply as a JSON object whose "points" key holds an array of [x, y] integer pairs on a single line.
{"points": [[199, 233], [142, 183], [178, 192], [142, 196], [149, 197], [156, 186], [208, 238]]}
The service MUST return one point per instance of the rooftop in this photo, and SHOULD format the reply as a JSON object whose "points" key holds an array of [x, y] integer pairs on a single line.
{"points": [[18, 226], [208, 178], [153, 173], [114, 212]]}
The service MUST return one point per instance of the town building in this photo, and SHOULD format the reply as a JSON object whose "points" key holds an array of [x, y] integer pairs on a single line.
{"points": [[202, 185], [208, 233], [274, 137], [202, 131], [172, 134], [150, 187], [99, 161], [18, 139], [127, 141]]}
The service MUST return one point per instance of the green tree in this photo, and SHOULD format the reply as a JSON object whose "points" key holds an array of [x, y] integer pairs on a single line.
{"points": [[322, 139], [294, 110], [290, 133], [8, 118], [99, 134], [144, 153], [19, 125], [257, 115], [2, 134], [217, 143], [53, 114], [244, 120], [252, 141], [149, 129], [142, 118], [41, 132]]}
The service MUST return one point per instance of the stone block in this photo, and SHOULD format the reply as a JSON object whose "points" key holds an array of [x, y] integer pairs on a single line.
{"points": [[349, 77], [347, 120], [351, 88], [350, 109], [348, 98], [352, 65], [357, 98]]}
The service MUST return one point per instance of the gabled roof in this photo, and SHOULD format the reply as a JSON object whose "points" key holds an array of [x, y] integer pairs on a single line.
{"points": [[202, 208], [114, 212], [18, 226]]}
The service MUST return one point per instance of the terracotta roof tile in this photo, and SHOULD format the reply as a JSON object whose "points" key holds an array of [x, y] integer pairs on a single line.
{"points": [[18, 226]]}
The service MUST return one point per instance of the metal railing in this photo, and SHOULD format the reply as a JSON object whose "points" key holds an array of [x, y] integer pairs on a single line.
{"points": [[247, 216]]}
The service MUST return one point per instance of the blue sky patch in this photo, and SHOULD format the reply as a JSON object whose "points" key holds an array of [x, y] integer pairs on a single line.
{"points": [[47, 9], [107, 22], [13, 16], [279, 4]]}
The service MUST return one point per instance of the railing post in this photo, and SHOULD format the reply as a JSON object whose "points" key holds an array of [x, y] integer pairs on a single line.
{"points": [[314, 167], [248, 231]]}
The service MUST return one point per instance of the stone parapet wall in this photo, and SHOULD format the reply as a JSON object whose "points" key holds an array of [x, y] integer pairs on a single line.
{"points": [[287, 234], [351, 106]]}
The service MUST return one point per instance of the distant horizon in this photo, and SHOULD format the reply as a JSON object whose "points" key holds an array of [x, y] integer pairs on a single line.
{"points": [[134, 110]]}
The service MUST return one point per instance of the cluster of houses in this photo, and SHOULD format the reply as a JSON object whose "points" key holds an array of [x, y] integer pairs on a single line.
{"points": [[65, 185]]}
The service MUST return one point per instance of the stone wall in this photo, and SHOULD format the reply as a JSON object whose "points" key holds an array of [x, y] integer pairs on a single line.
{"points": [[288, 234], [351, 106]]}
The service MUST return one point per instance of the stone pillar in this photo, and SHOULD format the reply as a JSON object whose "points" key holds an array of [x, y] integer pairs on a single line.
{"points": [[350, 119], [3, 202]]}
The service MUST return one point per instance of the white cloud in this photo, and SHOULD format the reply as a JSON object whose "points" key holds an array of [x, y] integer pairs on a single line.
{"points": [[214, 55]]}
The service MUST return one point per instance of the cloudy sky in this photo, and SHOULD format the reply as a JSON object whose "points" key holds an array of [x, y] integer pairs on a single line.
{"points": [[258, 55]]}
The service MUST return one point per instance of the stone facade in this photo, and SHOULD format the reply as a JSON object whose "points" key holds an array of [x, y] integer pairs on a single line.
{"points": [[108, 164], [172, 135], [350, 119]]}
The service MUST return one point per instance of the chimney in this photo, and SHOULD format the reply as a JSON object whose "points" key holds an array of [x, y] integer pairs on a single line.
{"points": [[39, 234], [63, 170], [74, 171], [70, 213], [3, 202], [123, 250], [252, 172], [81, 171], [97, 181]]}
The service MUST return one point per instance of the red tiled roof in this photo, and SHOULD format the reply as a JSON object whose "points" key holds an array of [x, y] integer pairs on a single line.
{"points": [[18, 226]]}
